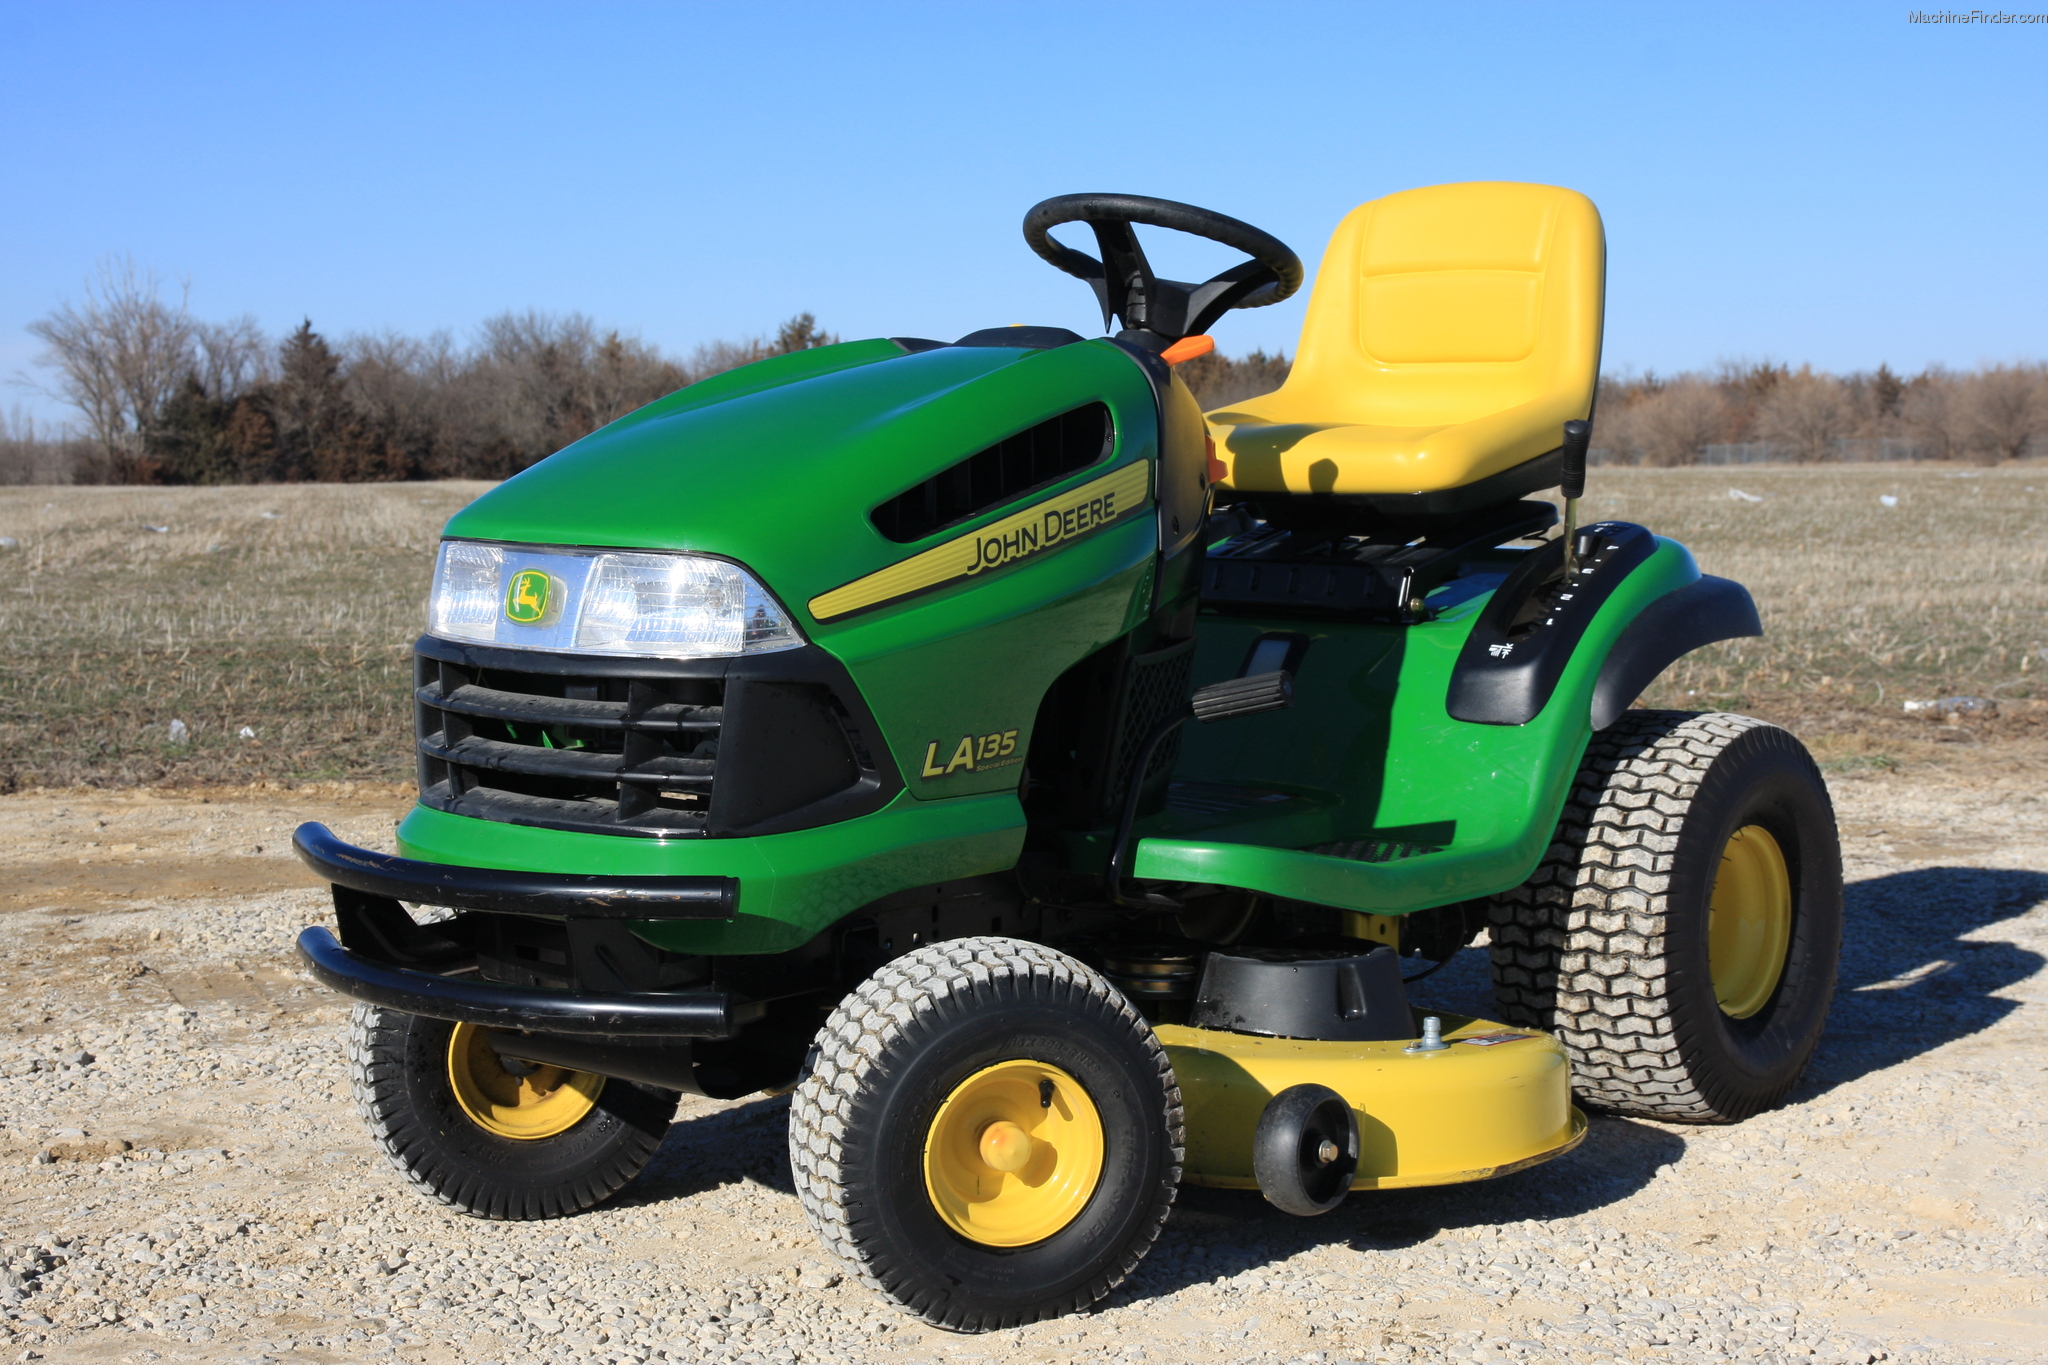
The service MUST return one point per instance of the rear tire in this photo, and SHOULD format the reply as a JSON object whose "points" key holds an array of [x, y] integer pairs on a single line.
{"points": [[1613, 943], [401, 1070], [927, 1039]]}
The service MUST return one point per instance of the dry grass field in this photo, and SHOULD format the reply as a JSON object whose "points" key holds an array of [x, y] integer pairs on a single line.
{"points": [[289, 609], [1865, 604]]}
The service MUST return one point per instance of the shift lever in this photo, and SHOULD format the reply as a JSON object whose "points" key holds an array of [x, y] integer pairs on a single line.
{"points": [[1577, 436]]}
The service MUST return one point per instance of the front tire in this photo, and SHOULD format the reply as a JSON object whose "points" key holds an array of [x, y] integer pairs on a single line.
{"points": [[473, 1135], [1683, 933], [988, 1134]]}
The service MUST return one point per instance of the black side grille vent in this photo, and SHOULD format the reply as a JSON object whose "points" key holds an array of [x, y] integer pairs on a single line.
{"points": [[1006, 470], [1156, 686]]}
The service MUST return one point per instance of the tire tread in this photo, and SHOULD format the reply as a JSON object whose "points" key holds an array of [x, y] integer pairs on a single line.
{"points": [[1580, 948], [376, 1081], [899, 1005]]}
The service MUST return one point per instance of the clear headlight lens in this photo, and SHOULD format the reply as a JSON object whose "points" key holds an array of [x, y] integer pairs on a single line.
{"points": [[643, 605], [678, 606], [465, 604]]}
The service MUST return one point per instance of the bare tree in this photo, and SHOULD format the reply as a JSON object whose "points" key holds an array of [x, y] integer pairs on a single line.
{"points": [[121, 354], [1217, 380], [799, 333], [231, 357], [2003, 408], [1671, 426], [1931, 413], [29, 455], [1808, 412]]}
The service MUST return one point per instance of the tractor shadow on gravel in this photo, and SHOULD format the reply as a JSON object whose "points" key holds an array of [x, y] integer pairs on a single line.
{"points": [[1216, 1234], [702, 1152], [1911, 979]]}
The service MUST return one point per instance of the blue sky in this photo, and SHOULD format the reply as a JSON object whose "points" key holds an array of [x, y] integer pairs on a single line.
{"points": [[1824, 183]]}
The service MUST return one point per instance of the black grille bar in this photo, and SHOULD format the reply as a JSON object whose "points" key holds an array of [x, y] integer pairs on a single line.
{"points": [[489, 703], [570, 763], [674, 1014]]}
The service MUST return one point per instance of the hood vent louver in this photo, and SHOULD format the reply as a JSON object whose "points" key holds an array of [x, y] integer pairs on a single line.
{"points": [[1006, 471]]}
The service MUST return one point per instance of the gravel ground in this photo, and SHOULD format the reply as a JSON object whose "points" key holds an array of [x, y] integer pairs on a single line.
{"points": [[182, 1176]]}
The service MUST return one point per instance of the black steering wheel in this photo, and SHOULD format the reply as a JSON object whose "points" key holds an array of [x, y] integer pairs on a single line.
{"points": [[1155, 312]]}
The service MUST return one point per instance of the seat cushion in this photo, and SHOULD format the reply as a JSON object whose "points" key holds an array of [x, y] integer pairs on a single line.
{"points": [[1452, 332], [1345, 457]]}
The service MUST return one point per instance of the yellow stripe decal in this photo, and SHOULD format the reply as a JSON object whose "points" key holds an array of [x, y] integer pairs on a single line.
{"points": [[1057, 521]]}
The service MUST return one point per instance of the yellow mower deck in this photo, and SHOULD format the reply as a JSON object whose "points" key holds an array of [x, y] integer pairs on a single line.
{"points": [[1470, 1112]]}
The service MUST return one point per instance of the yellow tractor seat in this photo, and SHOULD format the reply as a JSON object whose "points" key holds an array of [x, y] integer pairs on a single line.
{"points": [[1452, 333]]}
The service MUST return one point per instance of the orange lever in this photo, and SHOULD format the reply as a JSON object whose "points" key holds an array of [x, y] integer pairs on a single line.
{"points": [[1187, 348], [1217, 470]]}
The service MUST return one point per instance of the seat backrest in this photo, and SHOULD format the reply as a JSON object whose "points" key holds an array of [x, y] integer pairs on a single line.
{"points": [[1442, 305]]}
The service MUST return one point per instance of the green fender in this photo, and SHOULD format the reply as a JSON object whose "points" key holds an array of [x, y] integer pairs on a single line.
{"points": [[1410, 807]]}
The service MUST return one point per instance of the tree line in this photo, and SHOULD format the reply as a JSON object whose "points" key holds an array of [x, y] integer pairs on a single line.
{"points": [[164, 397], [1996, 412]]}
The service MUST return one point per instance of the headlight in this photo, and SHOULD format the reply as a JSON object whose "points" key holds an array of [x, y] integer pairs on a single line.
{"points": [[636, 604]]}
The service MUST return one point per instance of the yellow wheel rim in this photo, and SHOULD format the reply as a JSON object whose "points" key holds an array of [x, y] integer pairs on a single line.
{"points": [[1750, 922], [550, 1100], [1014, 1154]]}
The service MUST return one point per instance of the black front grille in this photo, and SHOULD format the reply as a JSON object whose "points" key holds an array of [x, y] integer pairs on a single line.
{"points": [[621, 754]]}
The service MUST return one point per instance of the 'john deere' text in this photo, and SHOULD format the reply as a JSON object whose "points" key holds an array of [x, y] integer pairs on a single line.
{"points": [[1056, 525]]}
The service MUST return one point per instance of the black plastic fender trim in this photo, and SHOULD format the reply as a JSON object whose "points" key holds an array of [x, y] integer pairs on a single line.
{"points": [[569, 895], [1520, 644], [467, 1000], [1669, 628]]}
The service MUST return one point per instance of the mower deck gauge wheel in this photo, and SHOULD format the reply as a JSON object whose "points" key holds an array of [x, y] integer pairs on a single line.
{"points": [[1305, 1152]]}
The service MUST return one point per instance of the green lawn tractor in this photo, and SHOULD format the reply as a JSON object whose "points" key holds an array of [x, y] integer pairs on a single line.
{"points": [[1055, 789]]}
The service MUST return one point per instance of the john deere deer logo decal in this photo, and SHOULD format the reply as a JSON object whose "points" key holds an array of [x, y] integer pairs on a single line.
{"points": [[526, 600]]}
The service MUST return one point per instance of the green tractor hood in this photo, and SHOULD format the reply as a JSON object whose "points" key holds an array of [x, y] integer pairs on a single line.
{"points": [[777, 465]]}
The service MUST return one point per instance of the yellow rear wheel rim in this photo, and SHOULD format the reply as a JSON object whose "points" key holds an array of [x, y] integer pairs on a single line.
{"points": [[1749, 925], [1014, 1154], [548, 1101]]}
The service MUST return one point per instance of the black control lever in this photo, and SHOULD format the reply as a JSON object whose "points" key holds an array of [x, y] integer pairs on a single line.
{"points": [[1226, 700], [1572, 483]]}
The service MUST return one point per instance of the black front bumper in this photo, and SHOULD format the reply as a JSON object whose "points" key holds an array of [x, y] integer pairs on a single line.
{"points": [[568, 895], [468, 1000], [387, 947]]}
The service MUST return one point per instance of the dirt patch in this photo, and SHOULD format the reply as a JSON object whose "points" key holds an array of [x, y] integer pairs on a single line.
{"points": [[86, 848], [146, 875]]}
